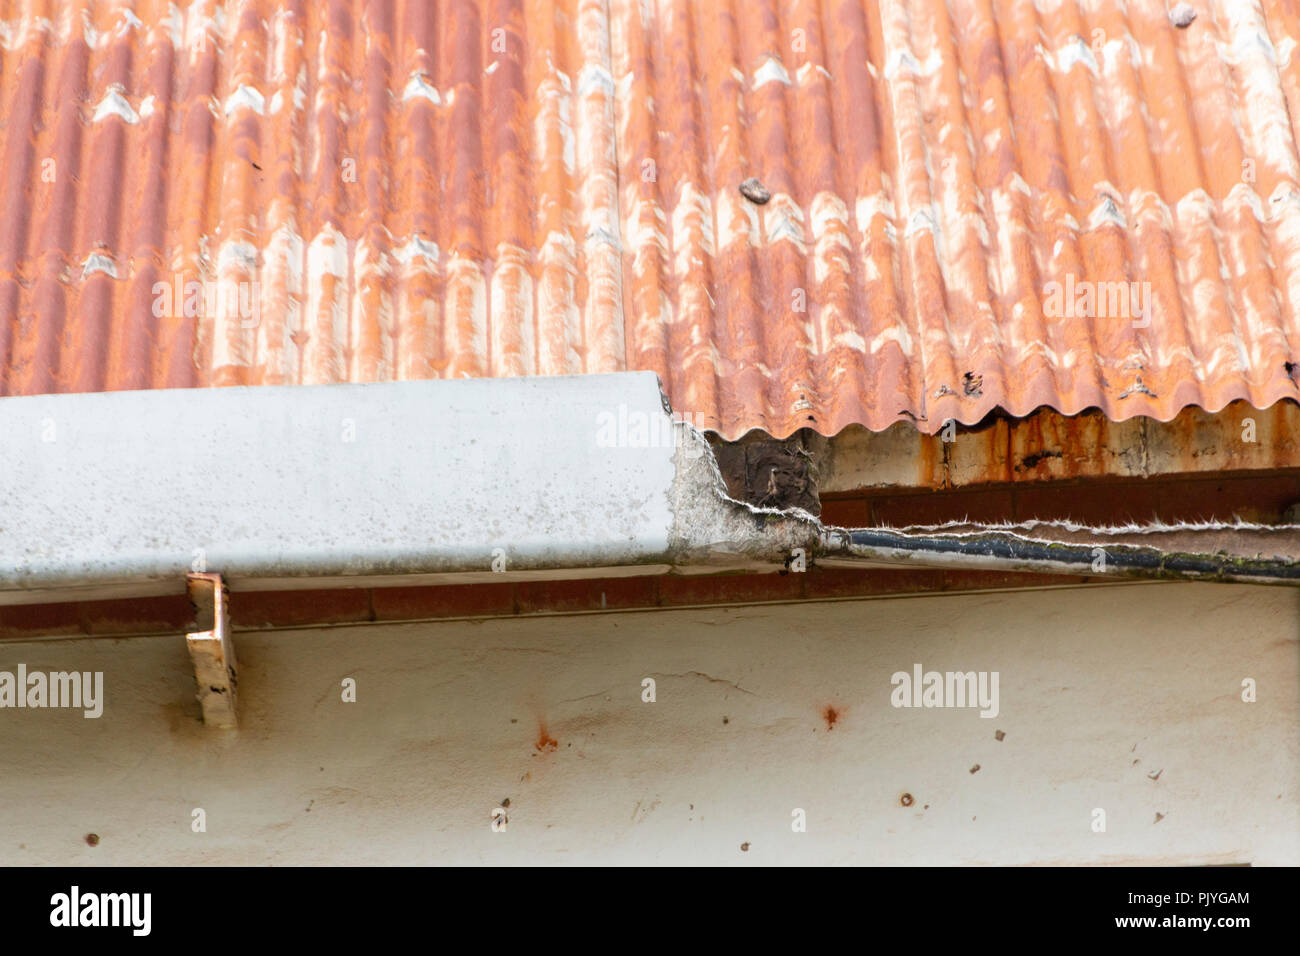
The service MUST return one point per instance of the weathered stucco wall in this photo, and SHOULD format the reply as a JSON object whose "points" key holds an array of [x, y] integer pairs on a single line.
{"points": [[1125, 698]]}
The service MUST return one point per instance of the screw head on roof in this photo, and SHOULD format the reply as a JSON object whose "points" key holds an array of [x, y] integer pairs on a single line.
{"points": [[754, 190], [1182, 15]]}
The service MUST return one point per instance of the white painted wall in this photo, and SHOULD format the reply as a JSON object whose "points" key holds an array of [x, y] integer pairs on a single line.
{"points": [[1099, 688]]}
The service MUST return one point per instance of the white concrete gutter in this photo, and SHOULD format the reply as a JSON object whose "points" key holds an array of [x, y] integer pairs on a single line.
{"points": [[123, 494]]}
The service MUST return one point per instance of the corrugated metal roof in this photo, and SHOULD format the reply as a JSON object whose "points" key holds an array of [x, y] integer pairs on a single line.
{"points": [[520, 187]]}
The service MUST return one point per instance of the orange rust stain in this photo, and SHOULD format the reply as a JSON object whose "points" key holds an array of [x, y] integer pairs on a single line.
{"points": [[830, 714], [545, 742], [926, 474]]}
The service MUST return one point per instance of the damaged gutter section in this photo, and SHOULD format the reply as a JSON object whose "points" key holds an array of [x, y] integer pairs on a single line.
{"points": [[1209, 551], [124, 494], [722, 527], [721, 530]]}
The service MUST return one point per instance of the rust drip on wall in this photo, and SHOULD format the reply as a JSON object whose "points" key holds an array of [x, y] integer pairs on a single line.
{"points": [[831, 715], [545, 743]]}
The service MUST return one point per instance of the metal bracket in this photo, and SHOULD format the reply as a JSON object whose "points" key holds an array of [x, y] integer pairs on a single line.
{"points": [[212, 651]]}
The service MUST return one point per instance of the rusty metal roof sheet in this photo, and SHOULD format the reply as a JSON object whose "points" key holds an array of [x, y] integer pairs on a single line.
{"points": [[259, 193]]}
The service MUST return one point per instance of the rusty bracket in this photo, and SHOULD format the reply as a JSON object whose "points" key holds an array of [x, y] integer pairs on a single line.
{"points": [[212, 651]]}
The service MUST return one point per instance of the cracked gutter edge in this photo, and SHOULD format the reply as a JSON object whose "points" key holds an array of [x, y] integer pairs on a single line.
{"points": [[713, 531]]}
